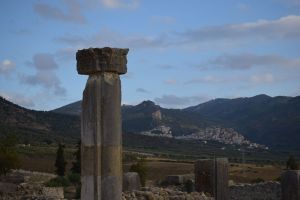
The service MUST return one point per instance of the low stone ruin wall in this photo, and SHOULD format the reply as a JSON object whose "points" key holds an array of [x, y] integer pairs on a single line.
{"points": [[155, 193], [258, 191]]}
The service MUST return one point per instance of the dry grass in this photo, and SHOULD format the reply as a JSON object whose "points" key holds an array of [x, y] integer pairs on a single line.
{"points": [[248, 172], [239, 173]]}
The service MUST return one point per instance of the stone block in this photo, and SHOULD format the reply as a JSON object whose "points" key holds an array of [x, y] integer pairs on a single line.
{"points": [[131, 181], [290, 185], [12, 178], [211, 176], [93, 60], [175, 179], [8, 188], [53, 192]]}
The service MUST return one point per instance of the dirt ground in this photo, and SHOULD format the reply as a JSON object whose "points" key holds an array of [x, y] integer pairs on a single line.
{"points": [[158, 170], [239, 173]]}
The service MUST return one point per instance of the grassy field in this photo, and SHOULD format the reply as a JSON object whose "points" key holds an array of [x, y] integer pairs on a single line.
{"points": [[42, 158]]}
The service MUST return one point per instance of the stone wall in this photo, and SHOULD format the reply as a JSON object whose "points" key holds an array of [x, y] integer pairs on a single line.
{"points": [[259, 191], [155, 193]]}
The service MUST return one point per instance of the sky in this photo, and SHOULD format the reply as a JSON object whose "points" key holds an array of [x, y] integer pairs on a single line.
{"points": [[182, 53]]}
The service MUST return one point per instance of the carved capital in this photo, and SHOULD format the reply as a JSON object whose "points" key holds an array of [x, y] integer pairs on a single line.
{"points": [[95, 60]]}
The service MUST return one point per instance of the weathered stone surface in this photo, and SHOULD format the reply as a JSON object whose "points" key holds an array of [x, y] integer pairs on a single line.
{"points": [[189, 186], [93, 60], [101, 131], [131, 181], [175, 179], [7, 187], [290, 184], [211, 176], [258, 191], [54, 192], [154, 193], [15, 178]]}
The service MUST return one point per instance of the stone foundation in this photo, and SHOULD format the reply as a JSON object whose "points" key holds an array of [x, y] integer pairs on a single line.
{"points": [[259, 191]]}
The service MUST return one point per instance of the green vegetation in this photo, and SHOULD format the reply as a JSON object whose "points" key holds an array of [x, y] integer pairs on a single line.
{"points": [[60, 162], [9, 158], [292, 163], [76, 167], [140, 168], [59, 181], [257, 180]]}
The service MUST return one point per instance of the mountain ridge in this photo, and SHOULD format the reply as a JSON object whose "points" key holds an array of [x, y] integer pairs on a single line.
{"points": [[272, 121]]}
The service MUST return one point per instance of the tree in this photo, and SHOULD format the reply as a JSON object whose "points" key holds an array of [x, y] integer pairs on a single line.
{"points": [[292, 163], [60, 163], [140, 168], [9, 158], [76, 167]]}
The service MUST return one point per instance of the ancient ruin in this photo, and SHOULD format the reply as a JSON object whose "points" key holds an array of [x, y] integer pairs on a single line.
{"points": [[101, 131], [211, 176], [290, 185]]}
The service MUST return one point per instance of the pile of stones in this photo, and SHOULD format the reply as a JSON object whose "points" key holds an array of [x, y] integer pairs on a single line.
{"points": [[157, 193], [28, 186]]}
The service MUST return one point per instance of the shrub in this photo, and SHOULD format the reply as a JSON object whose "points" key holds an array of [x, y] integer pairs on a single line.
{"points": [[257, 180], [74, 178], [59, 181], [9, 158], [141, 169], [76, 165], [60, 162], [291, 163]]}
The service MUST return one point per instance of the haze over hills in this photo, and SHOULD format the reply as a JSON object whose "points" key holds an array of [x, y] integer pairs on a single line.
{"points": [[32, 126], [270, 121]]}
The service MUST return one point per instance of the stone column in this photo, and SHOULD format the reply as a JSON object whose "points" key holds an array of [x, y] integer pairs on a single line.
{"points": [[211, 176], [101, 131], [290, 185]]}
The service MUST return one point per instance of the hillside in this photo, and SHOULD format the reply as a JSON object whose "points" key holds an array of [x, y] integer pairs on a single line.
{"points": [[273, 121], [37, 126]]}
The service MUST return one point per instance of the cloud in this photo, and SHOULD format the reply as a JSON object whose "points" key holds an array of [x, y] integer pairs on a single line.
{"points": [[291, 2], [173, 101], [72, 14], [284, 28], [171, 82], [45, 75], [287, 27], [262, 78], [23, 32], [6, 67], [167, 66], [248, 60], [142, 90], [242, 7], [207, 80], [18, 99], [128, 4], [106, 37], [166, 20], [44, 61]]}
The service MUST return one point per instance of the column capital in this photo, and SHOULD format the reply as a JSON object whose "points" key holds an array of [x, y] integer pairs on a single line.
{"points": [[95, 60]]}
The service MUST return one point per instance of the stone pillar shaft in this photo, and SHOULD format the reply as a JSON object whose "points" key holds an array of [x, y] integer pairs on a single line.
{"points": [[211, 176], [290, 185], [101, 131]]}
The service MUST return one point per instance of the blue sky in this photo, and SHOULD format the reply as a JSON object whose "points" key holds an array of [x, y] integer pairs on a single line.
{"points": [[182, 53]]}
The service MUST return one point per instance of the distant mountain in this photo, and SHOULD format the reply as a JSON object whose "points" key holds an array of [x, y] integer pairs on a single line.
{"points": [[37, 126], [273, 121], [70, 109]]}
